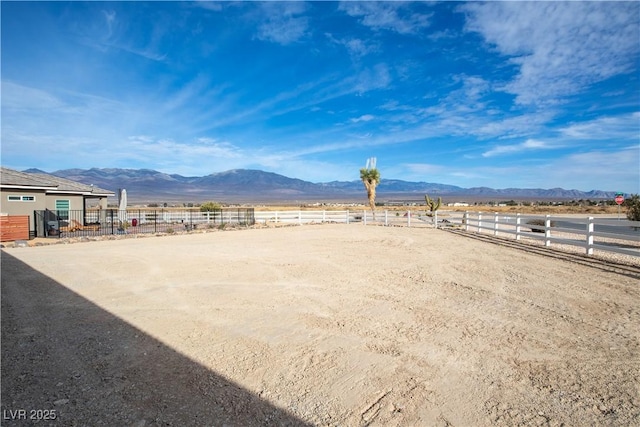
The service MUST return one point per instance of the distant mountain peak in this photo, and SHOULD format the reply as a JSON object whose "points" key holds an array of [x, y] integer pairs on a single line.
{"points": [[254, 185]]}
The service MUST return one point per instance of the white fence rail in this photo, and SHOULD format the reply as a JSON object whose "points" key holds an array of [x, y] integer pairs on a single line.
{"points": [[604, 234], [589, 233], [387, 218]]}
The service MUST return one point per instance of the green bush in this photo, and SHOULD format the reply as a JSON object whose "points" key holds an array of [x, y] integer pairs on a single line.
{"points": [[633, 207], [210, 207]]}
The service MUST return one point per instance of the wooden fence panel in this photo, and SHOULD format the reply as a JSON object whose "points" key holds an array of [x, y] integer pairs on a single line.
{"points": [[14, 228]]}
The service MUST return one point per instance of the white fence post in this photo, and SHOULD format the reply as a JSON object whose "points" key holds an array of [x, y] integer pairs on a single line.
{"points": [[590, 230], [347, 216], [479, 222], [465, 219], [547, 230], [495, 224], [386, 218], [299, 217], [324, 216], [408, 218], [518, 228], [435, 216], [364, 216]]}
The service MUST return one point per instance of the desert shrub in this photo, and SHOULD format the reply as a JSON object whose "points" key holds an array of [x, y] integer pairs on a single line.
{"points": [[633, 207], [210, 207], [222, 226], [170, 231]]}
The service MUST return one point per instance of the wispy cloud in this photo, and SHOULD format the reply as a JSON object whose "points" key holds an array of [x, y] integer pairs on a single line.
{"points": [[558, 47], [363, 118], [111, 31], [19, 97], [624, 127], [356, 47], [282, 22], [392, 16], [215, 6], [528, 145], [596, 170]]}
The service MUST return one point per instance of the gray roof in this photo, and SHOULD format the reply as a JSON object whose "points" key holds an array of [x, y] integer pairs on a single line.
{"points": [[51, 183], [13, 177]]}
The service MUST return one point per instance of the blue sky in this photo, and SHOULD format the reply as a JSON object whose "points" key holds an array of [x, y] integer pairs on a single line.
{"points": [[497, 94]]}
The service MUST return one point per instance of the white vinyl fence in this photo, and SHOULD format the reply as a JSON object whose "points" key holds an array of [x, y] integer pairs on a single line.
{"points": [[386, 218], [589, 233], [604, 234]]}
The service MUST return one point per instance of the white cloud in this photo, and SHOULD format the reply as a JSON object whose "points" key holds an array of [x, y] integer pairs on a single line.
{"points": [[378, 77], [363, 118], [392, 16], [214, 6], [356, 47], [528, 145], [623, 127], [281, 23], [596, 170], [19, 97], [558, 47]]}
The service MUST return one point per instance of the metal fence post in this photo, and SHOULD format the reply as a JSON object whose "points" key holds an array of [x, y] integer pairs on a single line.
{"points": [[590, 230], [547, 230], [518, 228]]}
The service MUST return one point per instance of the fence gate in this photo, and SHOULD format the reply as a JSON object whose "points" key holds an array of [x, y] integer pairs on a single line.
{"points": [[14, 228]]}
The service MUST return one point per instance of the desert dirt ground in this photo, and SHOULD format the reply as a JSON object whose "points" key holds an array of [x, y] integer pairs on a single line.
{"points": [[316, 325]]}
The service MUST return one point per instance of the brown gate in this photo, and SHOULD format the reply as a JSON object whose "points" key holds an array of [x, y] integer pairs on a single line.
{"points": [[14, 228]]}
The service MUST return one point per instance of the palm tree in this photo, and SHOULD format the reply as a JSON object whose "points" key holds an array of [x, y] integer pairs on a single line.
{"points": [[370, 177]]}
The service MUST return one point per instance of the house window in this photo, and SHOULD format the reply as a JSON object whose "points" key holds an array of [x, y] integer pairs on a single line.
{"points": [[21, 198], [62, 206]]}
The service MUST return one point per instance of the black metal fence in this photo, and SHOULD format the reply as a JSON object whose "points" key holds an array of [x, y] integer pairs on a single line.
{"points": [[78, 223]]}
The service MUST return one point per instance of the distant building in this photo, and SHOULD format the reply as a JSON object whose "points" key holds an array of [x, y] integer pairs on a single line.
{"points": [[458, 204]]}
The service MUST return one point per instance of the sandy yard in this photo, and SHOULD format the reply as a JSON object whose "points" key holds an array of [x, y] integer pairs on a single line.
{"points": [[316, 325]]}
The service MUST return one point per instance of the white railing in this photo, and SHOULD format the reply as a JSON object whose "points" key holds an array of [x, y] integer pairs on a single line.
{"points": [[604, 234], [386, 218], [589, 233]]}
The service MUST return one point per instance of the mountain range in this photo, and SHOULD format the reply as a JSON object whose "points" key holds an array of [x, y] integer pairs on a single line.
{"points": [[246, 185]]}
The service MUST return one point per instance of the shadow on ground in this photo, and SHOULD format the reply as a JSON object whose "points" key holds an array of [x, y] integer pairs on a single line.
{"points": [[65, 357]]}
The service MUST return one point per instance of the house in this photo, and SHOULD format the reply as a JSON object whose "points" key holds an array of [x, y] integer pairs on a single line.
{"points": [[23, 193]]}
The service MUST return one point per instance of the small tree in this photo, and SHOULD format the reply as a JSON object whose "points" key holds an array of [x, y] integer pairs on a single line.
{"points": [[633, 207], [214, 207], [370, 177], [210, 207]]}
